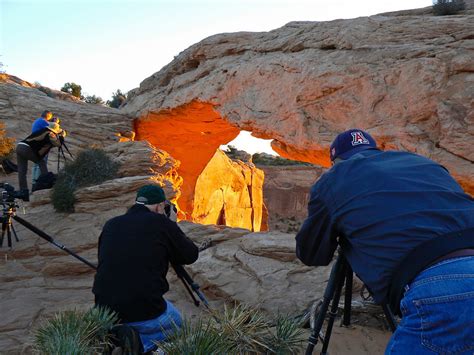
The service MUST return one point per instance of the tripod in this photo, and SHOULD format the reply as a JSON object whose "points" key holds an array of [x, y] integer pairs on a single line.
{"points": [[341, 272], [61, 151], [9, 210]]}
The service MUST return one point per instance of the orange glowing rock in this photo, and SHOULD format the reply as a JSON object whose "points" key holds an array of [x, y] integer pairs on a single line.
{"points": [[229, 193], [190, 134]]}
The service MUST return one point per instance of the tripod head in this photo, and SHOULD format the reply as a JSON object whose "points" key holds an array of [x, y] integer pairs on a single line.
{"points": [[9, 194]]}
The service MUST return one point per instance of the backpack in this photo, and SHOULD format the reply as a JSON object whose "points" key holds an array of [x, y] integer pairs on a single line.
{"points": [[45, 181], [9, 166]]}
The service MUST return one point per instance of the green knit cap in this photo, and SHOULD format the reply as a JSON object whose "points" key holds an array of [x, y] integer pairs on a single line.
{"points": [[150, 195]]}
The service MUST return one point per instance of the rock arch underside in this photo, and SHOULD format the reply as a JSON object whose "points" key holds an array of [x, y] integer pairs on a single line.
{"points": [[406, 77]]}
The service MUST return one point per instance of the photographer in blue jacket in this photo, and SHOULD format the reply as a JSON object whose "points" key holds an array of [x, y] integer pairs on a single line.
{"points": [[407, 229]]}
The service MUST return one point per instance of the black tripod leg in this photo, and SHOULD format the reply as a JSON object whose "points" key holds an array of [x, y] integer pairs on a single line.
{"points": [[334, 308], [9, 236], [334, 280], [14, 233], [346, 320], [3, 234], [390, 318]]}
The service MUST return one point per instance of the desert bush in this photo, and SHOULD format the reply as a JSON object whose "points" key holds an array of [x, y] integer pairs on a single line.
{"points": [[75, 332], [6, 143], [243, 328], [236, 330], [194, 338], [287, 337], [73, 89], [448, 7], [118, 99], [91, 167], [92, 99], [270, 160]]}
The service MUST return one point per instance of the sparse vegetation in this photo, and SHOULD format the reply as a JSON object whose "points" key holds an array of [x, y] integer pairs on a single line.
{"points": [[76, 332], [260, 158], [236, 330], [448, 7], [118, 98], [73, 89], [92, 99], [90, 167], [267, 159], [6, 143]]}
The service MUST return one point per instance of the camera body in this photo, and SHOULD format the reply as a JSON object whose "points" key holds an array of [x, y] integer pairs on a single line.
{"points": [[9, 194], [168, 206]]}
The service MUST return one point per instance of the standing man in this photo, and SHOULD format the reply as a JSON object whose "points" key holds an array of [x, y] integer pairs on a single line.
{"points": [[407, 230], [39, 124], [135, 250]]}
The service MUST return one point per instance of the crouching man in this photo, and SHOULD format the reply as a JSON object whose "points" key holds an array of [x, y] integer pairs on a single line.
{"points": [[407, 230], [135, 250]]}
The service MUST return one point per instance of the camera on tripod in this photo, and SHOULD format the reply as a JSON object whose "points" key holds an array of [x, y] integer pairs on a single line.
{"points": [[168, 206], [9, 194]]}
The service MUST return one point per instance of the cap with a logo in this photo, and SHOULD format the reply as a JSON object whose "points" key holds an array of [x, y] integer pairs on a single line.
{"points": [[150, 195], [351, 142]]}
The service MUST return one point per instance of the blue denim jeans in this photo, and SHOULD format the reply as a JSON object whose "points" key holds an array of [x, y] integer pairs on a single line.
{"points": [[438, 311], [157, 329]]}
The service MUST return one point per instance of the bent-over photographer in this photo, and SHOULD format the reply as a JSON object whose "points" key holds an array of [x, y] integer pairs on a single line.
{"points": [[35, 148], [407, 230], [134, 254]]}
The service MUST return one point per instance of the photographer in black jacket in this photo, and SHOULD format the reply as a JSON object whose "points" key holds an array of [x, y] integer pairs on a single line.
{"points": [[35, 148], [135, 250]]}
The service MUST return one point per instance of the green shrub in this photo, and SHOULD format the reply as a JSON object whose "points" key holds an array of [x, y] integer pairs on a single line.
{"points": [[270, 160], [236, 330], [62, 194], [75, 332], [244, 329], [91, 167], [118, 99], [197, 338], [73, 89], [448, 7], [287, 337]]}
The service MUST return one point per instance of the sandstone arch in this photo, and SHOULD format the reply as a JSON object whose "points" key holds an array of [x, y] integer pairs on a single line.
{"points": [[409, 85]]}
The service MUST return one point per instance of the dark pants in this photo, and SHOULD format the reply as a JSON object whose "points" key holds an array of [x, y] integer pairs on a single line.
{"points": [[25, 153]]}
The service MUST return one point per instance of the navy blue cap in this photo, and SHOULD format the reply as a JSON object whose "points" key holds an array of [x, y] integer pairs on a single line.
{"points": [[351, 142]]}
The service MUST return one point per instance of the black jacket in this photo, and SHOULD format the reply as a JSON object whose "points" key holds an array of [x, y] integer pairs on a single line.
{"points": [[135, 250], [42, 141]]}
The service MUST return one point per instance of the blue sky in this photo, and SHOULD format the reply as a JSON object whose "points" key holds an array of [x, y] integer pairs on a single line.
{"points": [[106, 45]]}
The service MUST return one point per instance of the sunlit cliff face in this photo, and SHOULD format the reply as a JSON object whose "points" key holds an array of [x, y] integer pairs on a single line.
{"points": [[226, 193]]}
